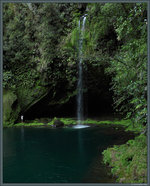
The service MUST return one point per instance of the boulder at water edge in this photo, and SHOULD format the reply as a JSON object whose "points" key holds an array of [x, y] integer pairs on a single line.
{"points": [[58, 123]]}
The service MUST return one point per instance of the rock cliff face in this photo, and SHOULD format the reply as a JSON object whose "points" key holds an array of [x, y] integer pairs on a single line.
{"points": [[9, 100], [15, 103]]}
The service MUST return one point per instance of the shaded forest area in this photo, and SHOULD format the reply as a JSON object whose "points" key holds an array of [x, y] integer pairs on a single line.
{"points": [[40, 47]]}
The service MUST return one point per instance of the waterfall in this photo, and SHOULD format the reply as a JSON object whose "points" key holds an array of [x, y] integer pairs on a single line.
{"points": [[80, 107]]}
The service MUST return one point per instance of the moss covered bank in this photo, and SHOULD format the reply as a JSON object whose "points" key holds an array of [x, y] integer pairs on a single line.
{"points": [[128, 162]]}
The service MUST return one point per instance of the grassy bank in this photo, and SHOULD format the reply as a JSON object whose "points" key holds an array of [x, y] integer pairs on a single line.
{"points": [[127, 124], [70, 121], [128, 162]]}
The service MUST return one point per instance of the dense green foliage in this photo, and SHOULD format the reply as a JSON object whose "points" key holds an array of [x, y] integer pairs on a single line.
{"points": [[41, 53], [129, 161], [129, 62], [34, 65], [120, 34]]}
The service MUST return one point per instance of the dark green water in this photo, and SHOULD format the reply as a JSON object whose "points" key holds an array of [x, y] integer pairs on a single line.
{"points": [[67, 155]]}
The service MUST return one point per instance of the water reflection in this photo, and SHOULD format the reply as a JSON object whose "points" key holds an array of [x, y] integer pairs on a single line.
{"points": [[22, 134], [56, 155], [80, 143]]}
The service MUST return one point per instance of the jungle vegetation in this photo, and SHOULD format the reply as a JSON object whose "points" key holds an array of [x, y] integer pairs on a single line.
{"points": [[40, 56]]}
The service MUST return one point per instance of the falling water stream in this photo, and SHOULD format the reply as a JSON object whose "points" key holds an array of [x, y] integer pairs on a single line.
{"points": [[80, 108]]}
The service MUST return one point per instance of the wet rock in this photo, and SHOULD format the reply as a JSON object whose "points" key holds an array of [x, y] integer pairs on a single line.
{"points": [[58, 123]]}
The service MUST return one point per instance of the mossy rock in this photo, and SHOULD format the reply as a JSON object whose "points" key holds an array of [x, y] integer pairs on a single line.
{"points": [[27, 97], [20, 101], [57, 123], [10, 108]]}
